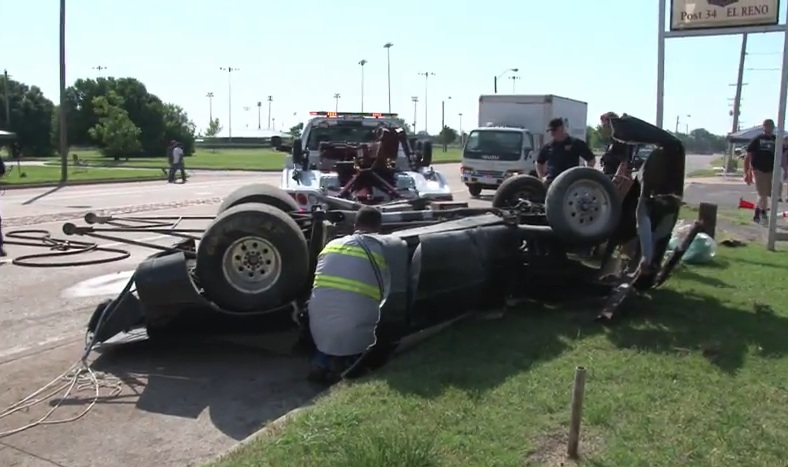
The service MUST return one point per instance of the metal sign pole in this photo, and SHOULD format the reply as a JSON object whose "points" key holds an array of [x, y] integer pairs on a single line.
{"points": [[778, 148], [661, 63]]}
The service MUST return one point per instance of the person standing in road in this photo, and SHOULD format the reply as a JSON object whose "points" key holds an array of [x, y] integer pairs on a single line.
{"points": [[759, 166], [177, 164], [562, 153]]}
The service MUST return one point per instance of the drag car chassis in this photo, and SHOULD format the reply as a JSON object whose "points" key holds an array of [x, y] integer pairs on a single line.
{"points": [[447, 261]]}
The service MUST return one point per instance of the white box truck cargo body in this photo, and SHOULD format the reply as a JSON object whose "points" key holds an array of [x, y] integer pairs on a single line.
{"points": [[534, 112], [512, 129]]}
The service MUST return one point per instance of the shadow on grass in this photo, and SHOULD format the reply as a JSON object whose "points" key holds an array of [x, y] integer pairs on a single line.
{"points": [[477, 356]]}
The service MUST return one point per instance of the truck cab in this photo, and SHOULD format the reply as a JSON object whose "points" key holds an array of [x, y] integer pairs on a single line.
{"points": [[495, 152]]}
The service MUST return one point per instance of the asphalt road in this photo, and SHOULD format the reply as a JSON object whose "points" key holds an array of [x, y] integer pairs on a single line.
{"points": [[180, 404]]}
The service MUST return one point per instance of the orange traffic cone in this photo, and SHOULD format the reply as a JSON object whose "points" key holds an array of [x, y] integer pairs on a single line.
{"points": [[743, 204]]}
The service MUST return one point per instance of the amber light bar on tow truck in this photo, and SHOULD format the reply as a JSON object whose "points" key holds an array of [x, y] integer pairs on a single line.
{"points": [[352, 114]]}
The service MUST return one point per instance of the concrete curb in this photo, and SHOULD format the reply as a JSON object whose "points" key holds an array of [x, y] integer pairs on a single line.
{"points": [[211, 169], [20, 186], [265, 430]]}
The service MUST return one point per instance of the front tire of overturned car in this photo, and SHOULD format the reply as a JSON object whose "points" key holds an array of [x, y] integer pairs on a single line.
{"points": [[252, 257], [582, 206]]}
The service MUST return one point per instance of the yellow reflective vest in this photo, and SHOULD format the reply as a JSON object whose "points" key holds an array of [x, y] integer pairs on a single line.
{"points": [[344, 307]]}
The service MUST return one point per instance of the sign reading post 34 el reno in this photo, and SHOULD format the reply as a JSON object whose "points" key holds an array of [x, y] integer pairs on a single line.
{"points": [[720, 14]]}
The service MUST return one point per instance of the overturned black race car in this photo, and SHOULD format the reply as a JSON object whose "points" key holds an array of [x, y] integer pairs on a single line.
{"points": [[252, 268]]}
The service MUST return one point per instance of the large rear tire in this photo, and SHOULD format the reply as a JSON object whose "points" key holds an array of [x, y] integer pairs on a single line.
{"points": [[259, 193], [252, 257], [583, 207]]}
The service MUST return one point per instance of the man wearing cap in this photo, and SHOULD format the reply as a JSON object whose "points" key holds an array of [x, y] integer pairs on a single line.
{"points": [[759, 166], [562, 153], [617, 155]]}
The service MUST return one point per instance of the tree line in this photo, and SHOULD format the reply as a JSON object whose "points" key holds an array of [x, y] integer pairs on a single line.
{"points": [[697, 141], [119, 116]]}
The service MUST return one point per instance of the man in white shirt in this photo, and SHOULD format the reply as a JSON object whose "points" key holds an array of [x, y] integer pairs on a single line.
{"points": [[177, 164]]}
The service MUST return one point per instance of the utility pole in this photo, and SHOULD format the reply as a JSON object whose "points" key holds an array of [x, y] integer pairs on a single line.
{"points": [[259, 106], [443, 122], [514, 79], [739, 84], [388, 46], [229, 71], [210, 106], [426, 75], [337, 96], [62, 110], [362, 63], [6, 100], [270, 100], [415, 100]]}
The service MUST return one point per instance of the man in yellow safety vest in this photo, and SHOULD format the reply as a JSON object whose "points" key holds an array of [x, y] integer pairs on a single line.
{"points": [[351, 283]]}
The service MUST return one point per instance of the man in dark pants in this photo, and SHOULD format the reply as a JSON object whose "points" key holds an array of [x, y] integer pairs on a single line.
{"points": [[176, 163], [562, 153], [759, 167]]}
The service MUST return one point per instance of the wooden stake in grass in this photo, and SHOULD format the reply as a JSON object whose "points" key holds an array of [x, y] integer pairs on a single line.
{"points": [[577, 412]]}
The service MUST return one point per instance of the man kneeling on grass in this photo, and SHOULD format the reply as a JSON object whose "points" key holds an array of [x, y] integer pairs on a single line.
{"points": [[352, 281]]}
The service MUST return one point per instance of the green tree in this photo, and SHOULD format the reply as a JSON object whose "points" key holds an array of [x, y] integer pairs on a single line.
{"points": [[115, 133], [295, 131], [31, 117], [594, 137], [213, 128], [447, 135], [158, 122]]}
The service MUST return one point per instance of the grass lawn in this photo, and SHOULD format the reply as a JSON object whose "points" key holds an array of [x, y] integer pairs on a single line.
{"points": [[696, 375], [224, 159], [44, 174]]}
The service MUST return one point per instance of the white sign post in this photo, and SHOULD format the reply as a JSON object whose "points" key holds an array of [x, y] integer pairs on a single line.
{"points": [[704, 18]]}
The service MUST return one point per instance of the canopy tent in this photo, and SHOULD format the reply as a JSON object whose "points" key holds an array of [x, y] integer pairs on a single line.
{"points": [[746, 135], [7, 136]]}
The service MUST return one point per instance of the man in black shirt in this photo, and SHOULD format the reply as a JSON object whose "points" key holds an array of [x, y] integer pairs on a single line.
{"points": [[617, 155], [759, 166], [562, 153]]}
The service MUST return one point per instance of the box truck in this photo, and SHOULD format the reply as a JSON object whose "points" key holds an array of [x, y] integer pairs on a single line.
{"points": [[512, 129]]}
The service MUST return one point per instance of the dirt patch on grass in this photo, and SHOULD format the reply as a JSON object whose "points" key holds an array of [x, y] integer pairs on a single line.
{"points": [[550, 450]]}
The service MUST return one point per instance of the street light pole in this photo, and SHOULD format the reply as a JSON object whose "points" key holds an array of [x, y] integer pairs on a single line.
{"points": [[495, 79], [270, 100], [388, 46], [426, 75], [514, 79], [62, 109], [229, 71], [443, 123], [210, 106], [462, 139], [415, 100], [336, 101], [259, 107], [362, 63], [99, 68], [7, 102]]}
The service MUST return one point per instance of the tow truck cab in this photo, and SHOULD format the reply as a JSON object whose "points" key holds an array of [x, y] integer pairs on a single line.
{"points": [[493, 153], [306, 176]]}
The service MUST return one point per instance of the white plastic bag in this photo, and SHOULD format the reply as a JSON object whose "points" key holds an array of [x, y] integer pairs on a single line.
{"points": [[702, 249]]}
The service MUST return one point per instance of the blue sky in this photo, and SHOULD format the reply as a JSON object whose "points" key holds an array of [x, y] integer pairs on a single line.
{"points": [[303, 52]]}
